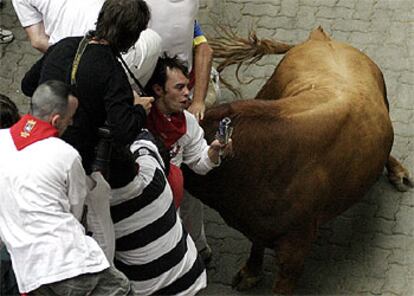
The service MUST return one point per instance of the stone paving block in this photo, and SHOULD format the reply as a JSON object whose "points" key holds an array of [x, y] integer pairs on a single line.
{"points": [[346, 3], [347, 25], [402, 115], [333, 12], [396, 280], [390, 242], [405, 223], [282, 22], [403, 256], [364, 285], [289, 8], [4, 84], [319, 3], [260, 9], [363, 10]]}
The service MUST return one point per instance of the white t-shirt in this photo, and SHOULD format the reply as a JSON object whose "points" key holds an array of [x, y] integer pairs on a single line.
{"points": [[174, 21], [42, 195], [192, 148], [61, 18], [66, 18]]}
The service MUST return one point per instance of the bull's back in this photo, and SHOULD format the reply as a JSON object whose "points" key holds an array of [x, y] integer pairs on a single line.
{"points": [[308, 155]]}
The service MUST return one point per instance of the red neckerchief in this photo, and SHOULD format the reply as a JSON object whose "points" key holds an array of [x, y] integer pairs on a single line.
{"points": [[168, 129], [29, 130]]}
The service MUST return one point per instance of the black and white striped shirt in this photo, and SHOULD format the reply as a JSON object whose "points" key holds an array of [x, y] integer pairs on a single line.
{"points": [[152, 247]]}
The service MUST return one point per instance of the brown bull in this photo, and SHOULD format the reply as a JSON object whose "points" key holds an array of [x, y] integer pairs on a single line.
{"points": [[311, 145]]}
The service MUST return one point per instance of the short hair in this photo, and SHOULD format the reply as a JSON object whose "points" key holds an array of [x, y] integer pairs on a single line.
{"points": [[9, 114], [120, 22], [50, 97], [159, 76]]}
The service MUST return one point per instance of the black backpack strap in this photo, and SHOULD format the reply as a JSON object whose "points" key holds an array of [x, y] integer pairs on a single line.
{"points": [[141, 91]]}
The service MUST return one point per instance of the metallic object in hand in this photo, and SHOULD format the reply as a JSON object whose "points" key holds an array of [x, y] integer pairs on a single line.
{"points": [[225, 130]]}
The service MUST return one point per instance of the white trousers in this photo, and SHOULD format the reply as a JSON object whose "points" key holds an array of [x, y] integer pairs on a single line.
{"points": [[192, 215]]}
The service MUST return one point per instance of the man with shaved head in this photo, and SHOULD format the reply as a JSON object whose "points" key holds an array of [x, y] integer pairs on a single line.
{"points": [[43, 189]]}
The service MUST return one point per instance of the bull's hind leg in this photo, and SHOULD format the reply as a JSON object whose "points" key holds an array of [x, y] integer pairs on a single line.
{"points": [[291, 251], [251, 272], [398, 175]]}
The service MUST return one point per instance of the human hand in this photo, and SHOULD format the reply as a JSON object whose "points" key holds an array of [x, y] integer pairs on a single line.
{"points": [[145, 102], [197, 108], [218, 150]]}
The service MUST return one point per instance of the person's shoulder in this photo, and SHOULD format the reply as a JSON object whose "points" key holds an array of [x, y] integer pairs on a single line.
{"points": [[59, 148], [68, 41], [64, 46], [190, 118], [151, 37], [101, 56]]}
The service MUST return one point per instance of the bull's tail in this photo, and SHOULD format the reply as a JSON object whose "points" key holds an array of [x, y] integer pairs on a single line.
{"points": [[231, 49]]}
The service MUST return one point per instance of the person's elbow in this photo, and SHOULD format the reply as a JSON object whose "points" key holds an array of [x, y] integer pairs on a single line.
{"points": [[39, 43]]}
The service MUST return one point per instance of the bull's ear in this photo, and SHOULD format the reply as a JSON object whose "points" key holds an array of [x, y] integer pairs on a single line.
{"points": [[158, 90]]}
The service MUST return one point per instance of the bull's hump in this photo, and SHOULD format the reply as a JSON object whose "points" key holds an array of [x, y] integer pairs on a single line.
{"points": [[319, 34]]}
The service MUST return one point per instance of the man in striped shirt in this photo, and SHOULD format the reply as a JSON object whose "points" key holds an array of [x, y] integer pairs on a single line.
{"points": [[152, 248]]}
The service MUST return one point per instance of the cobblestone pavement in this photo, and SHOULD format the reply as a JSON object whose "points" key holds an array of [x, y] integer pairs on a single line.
{"points": [[369, 250]]}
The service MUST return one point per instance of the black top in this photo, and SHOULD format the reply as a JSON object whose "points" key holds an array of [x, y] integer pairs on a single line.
{"points": [[103, 91]]}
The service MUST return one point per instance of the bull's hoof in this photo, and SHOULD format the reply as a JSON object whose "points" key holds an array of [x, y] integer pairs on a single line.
{"points": [[245, 280]]}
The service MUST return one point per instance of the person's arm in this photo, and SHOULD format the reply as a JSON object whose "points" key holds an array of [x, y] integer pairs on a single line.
{"points": [[77, 187], [31, 20], [124, 118], [37, 36], [203, 57], [196, 150], [202, 66], [31, 79]]}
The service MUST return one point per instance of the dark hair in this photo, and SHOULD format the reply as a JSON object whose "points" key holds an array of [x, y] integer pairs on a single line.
{"points": [[9, 114], [159, 75], [120, 22]]}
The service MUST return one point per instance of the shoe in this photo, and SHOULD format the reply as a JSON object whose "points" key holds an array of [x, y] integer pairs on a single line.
{"points": [[206, 255], [6, 36]]}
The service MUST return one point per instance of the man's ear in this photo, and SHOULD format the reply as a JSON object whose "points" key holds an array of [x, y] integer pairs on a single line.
{"points": [[158, 90], [55, 120]]}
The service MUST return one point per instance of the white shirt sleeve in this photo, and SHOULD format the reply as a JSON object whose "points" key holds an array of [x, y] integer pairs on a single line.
{"points": [[77, 187], [142, 57], [195, 152], [28, 15]]}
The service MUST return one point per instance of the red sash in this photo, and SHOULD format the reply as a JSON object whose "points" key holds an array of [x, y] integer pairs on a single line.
{"points": [[29, 130], [170, 130], [176, 181]]}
